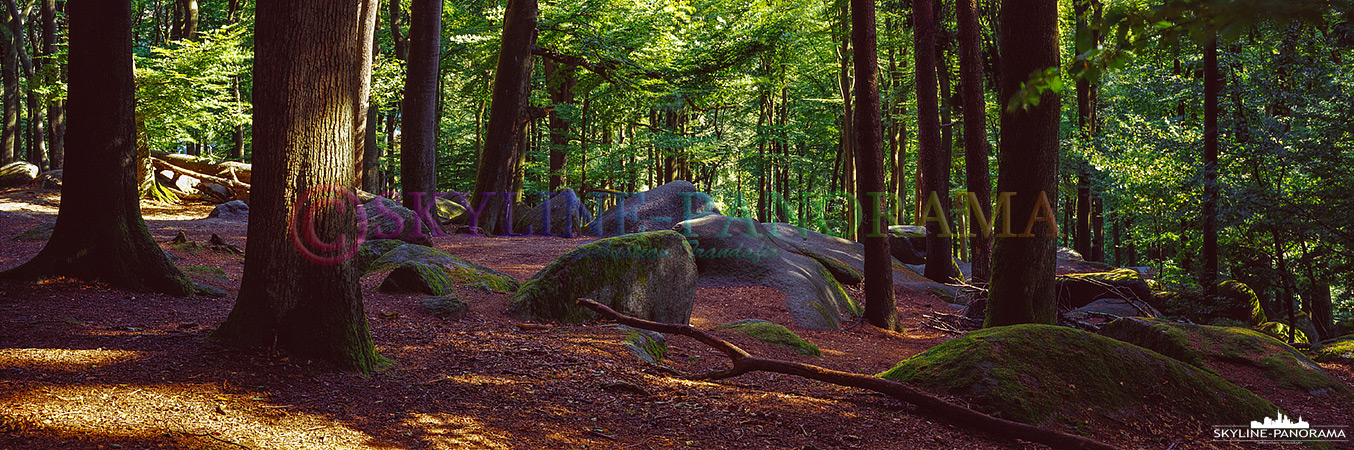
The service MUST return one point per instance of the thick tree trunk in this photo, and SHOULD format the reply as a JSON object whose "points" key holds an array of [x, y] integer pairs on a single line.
{"points": [[512, 89], [880, 309], [933, 160], [975, 133], [418, 126], [1210, 206], [301, 294], [185, 20], [1022, 287], [560, 79], [56, 116], [99, 233]]}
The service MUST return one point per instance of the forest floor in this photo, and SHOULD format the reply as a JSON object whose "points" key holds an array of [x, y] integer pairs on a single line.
{"points": [[83, 366]]}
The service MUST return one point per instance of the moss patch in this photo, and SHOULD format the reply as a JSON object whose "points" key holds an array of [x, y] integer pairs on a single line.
{"points": [[841, 271], [1234, 300], [1280, 331], [1043, 375], [205, 271], [418, 278], [446, 307], [388, 254], [1340, 351], [1080, 289], [1211, 347], [773, 333], [371, 251]]}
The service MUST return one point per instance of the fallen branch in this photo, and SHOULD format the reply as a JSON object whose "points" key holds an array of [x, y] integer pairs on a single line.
{"points": [[952, 413], [240, 189]]}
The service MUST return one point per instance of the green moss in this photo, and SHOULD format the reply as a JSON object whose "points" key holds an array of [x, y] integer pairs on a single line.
{"points": [[1280, 331], [647, 346], [1240, 302], [1209, 347], [1340, 351], [39, 233], [371, 251], [418, 278], [1043, 374], [208, 271], [773, 333], [390, 254], [836, 269], [1234, 300], [550, 295]]}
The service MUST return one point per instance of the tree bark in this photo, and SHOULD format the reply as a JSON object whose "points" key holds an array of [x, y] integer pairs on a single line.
{"points": [[512, 89], [1022, 285], [313, 63], [418, 125], [975, 133], [99, 233], [934, 161], [880, 309], [1210, 200], [10, 146]]}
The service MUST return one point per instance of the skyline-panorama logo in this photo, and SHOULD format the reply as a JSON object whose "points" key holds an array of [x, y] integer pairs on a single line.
{"points": [[1280, 429]]}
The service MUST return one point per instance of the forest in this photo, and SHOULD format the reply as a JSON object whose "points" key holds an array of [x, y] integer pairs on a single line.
{"points": [[978, 224]]}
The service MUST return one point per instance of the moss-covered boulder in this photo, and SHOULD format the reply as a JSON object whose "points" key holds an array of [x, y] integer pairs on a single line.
{"points": [[17, 173], [445, 307], [458, 270], [562, 214], [647, 275], [647, 346], [372, 250], [1339, 351], [1237, 301], [1281, 331], [1081, 289], [387, 219], [1047, 375], [907, 243], [1234, 300], [737, 251], [773, 333], [418, 278], [843, 258], [1227, 351], [656, 209]]}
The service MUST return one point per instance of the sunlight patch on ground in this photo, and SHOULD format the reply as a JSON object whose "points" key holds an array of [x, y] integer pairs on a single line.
{"points": [[63, 359], [479, 380], [147, 411], [452, 431]]}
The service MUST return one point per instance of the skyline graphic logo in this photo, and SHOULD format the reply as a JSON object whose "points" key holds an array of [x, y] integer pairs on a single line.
{"points": [[1280, 429]]}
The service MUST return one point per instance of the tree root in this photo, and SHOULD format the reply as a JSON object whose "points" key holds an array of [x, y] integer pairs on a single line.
{"points": [[743, 363]]}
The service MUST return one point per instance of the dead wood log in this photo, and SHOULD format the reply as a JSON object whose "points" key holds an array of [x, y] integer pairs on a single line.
{"points": [[240, 189], [949, 412], [239, 171]]}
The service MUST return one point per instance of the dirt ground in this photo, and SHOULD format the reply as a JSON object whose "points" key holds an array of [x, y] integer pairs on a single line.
{"points": [[83, 366]]}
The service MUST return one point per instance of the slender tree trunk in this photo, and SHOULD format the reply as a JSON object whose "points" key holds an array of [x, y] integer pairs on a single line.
{"points": [[512, 88], [1097, 230], [396, 32], [313, 63], [237, 132], [99, 233], [1081, 241], [9, 70], [560, 79], [36, 137], [934, 161], [1022, 288], [975, 132], [56, 117], [418, 126], [371, 151], [1210, 206], [848, 148], [880, 309]]}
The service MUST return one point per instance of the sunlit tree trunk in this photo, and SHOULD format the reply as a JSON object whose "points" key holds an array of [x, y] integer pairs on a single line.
{"points": [[934, 160], [512, 88], [1022, 287], [312, 65], [418, 126], [99, 232], [880, 309], [975, 132]]}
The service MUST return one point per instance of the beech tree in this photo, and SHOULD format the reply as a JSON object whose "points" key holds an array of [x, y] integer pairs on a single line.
{"points": [[299, 291], [934, 160], [880, 309], [500, 162], [975, 133], [418, 150], [1022, 288], [99, 233]]}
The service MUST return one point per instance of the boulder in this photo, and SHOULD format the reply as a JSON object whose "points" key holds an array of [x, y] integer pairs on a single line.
{"points": [[1234, 300], [458, 270], [564, 218], [1303, 322], [418, 278], [647, 346], [449, 207], [773, 333], [1067, 379], [17, 174], [733, 251], [843, 258], [387, 219], [646, 275], [214, 192], [907, 243], [1281, 331], [231, 210], [1339, 351], [40, 233], [1238, 354], [1113, 308], [656, 209], [1067, 255], [51, 179], [372, 250], [445, 307], [1081, 289]]}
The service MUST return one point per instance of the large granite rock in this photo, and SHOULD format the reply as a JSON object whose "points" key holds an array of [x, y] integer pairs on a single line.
{"points": [[17, 174], [733, 251], [656, 209], [387, 219], [648, 275], [562, 215], [231, 210], [383, 255], [1081, 289]]}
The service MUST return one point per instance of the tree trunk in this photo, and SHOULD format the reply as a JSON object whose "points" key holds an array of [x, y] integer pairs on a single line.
{"points": [[418, 124], [99, 232], [1097, 230], [880, 309], [36, 137], [934, 161], [1022, 286], [371, 151], [1081, 241], [560, 81], [848, 148], [975, 133], [313, 64], [512, 89], [185, 20], [1210, 206], [10, 147]]}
